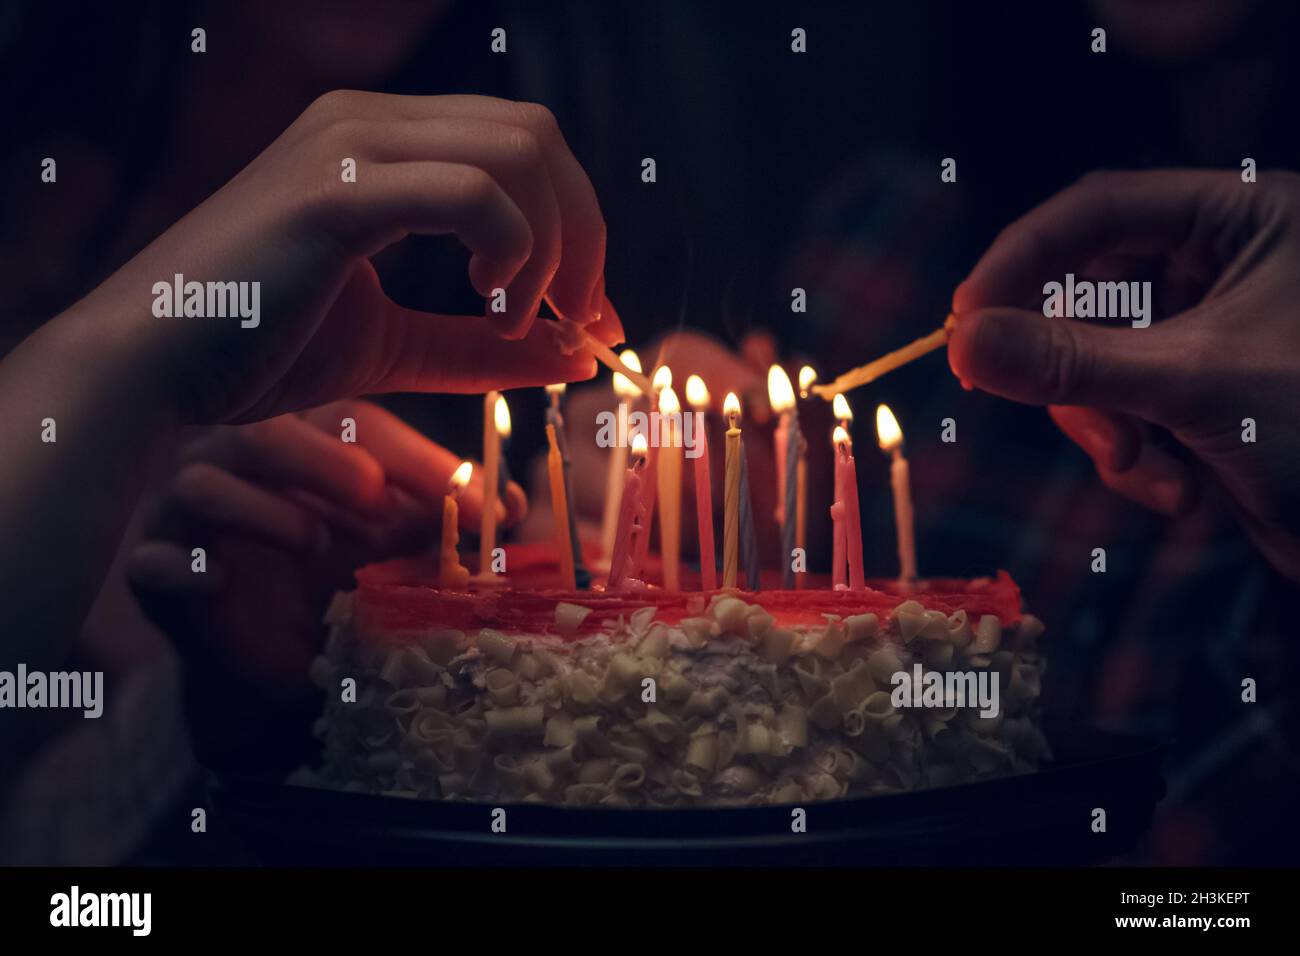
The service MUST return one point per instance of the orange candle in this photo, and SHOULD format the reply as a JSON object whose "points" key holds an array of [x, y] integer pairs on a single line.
{"points": [[731, 498], [670, 487], [452, 574], [891, 442], [697, 394]]}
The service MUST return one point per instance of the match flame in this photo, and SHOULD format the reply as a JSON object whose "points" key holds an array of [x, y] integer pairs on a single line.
{"points": [[556, 389], [460, 478], [840, 437], [639, 445], [779, 391], [623, 387], [697, 393], [840, 409], [668, 403], [887, 430], [807, 375], [663, 378], [502, 414], [731, 405]]}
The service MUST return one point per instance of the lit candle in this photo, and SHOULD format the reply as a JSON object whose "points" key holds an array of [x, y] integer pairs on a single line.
{"points": [[663, 378], [670, 486], [698, 396], [807, 375], [493, 407], [502, 416], [560, 510], [731, 495], [843, 414], [626, 393], [631, 517], [839, 554], [852, 512], [789, 440], [452, 575], [891, 442], [554, 417]]}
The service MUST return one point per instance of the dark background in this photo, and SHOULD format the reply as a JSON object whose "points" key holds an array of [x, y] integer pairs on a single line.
{"points": [[775, 170]]}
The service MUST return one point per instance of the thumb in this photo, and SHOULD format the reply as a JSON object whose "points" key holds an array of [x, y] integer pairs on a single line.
{"points": [[1026, 357]]}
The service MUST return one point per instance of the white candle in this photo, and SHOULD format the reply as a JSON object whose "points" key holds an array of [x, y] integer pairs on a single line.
{"points": [[626, 393], [891, 442]]}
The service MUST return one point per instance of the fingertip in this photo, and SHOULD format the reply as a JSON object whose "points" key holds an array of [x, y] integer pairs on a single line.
{"points": [[516, 502]]}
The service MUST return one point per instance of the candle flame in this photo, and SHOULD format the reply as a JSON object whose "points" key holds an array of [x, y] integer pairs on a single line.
{"points": [[623, 386], [779, 391], [697, 393], [460, 477], [887, 430], [807, 375], [663, 378], [840, 408], [668, 403], [639, 445], [502, 414], [556, 389], [731, 405], [840, 437]]}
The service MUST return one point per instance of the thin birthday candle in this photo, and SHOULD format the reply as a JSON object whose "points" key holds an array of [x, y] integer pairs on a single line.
{"points": [[626, 392], [839, 556], [631, 515], [663, 378], [807, 375], [788, 442], [502, 415], [581, 578], [731, 497], [697, 394], [452, 575], [491, 464], [670, 486], [891, 443], [560, 510], [852, 515]]}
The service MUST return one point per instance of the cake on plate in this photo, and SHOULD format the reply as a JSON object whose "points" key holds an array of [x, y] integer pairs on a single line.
{"points": [[649, 698]]}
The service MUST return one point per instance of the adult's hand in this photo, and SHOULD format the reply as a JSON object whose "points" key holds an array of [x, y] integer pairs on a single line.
{"points": [[1224, 257]]}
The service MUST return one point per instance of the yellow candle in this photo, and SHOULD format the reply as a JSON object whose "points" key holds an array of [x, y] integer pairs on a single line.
{"points": [[731, 499], [670, 486], [626, 392], [560, 510], [496, 421], [451, 573], [891, 442]]}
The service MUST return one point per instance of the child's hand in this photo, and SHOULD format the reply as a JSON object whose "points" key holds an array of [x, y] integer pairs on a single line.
{"points": [[285, 512], [496, 174]]}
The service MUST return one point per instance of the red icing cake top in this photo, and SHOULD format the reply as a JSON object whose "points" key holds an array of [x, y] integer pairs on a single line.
{"points": [[403, 596]]}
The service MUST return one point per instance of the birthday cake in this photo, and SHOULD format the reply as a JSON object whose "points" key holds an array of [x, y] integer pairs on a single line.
{"points": [[656, 699]]}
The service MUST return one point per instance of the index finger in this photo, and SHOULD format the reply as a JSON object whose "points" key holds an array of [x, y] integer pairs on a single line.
{"points": [[1128, 213]]}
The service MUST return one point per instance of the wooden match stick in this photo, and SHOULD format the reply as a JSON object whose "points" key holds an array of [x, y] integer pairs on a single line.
{"points": [[887, 363], [608, 357]]}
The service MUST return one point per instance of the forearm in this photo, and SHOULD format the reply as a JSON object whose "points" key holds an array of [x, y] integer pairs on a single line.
{"points": [[79, 421]]}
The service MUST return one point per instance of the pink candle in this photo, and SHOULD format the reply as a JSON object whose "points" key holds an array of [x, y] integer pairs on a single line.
{"points": [[631, 520], [838, 557], [698, 397], [852, 519]]}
